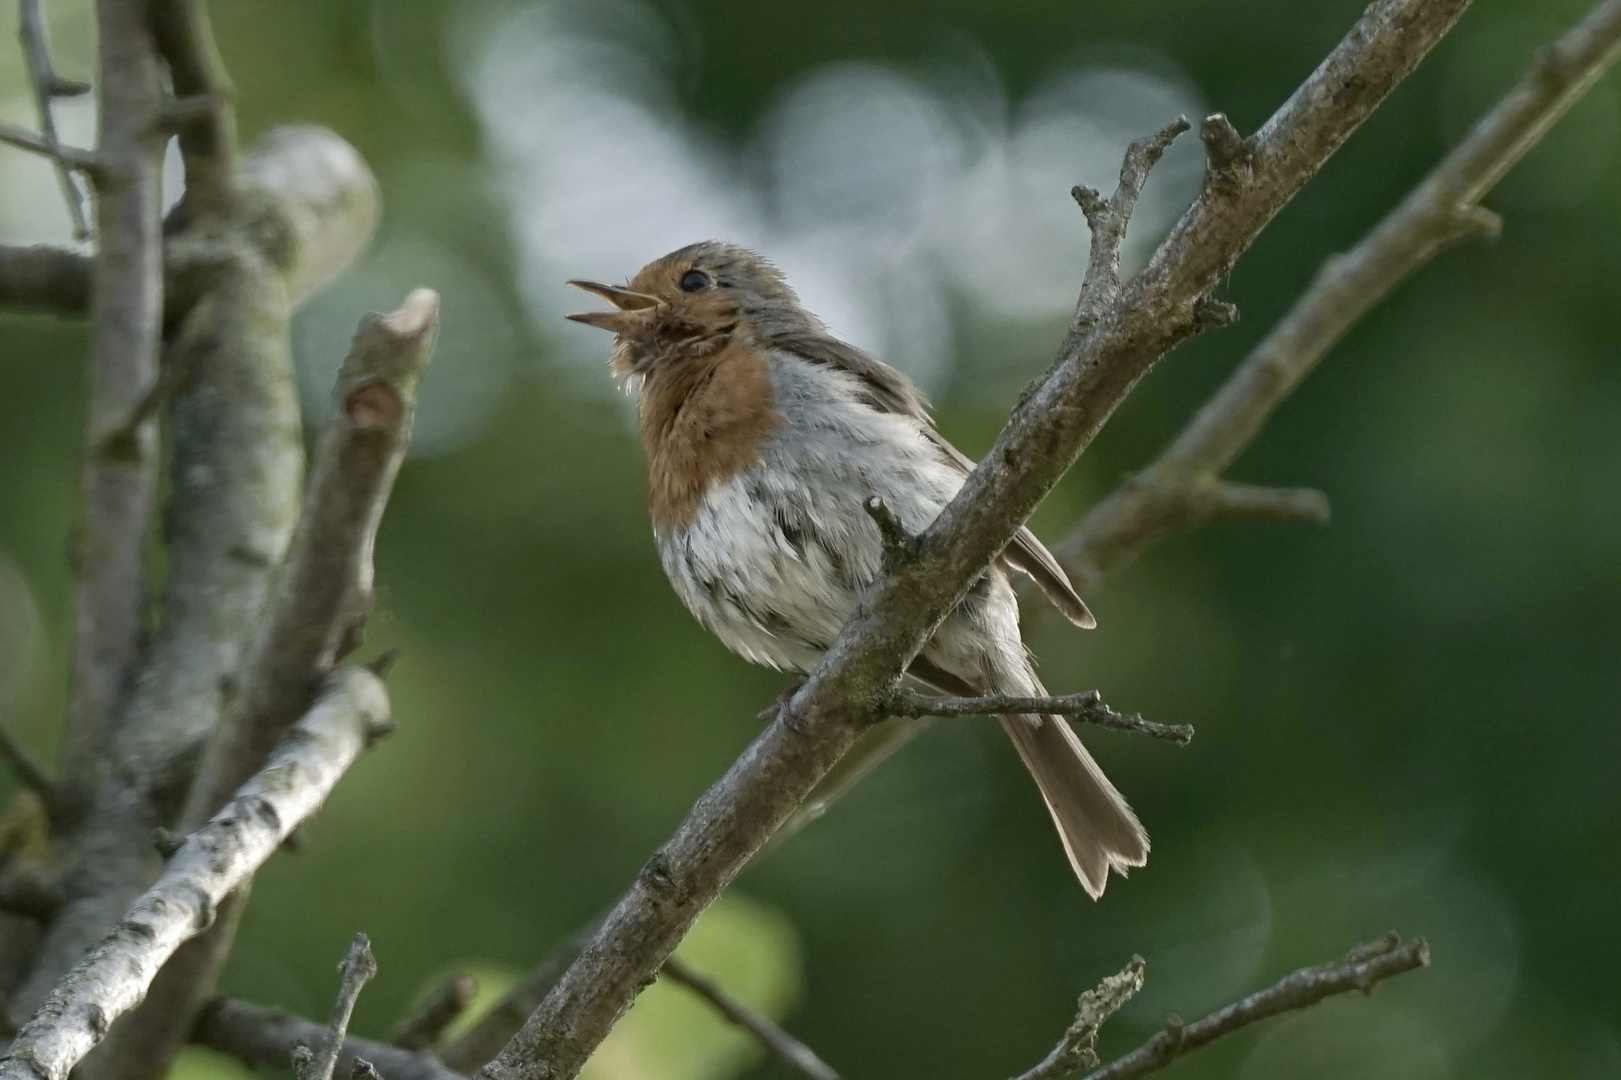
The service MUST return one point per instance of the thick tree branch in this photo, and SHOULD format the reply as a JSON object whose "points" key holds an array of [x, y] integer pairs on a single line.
{"points": [[423, 1028], [787, 1049], [322, 1058], [44, 278], [126, 315], [321, 597], [219, 857], [1442, 210], [1087, 707], [1077, 1050], [47, 87], [1363, 968], [258, 1036], [1157, 310], [236, 467]]}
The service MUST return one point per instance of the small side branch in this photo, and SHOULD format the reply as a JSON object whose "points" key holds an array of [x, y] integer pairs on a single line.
{"points": [[1109, 218], [200, 112], [793, 1053], [256, 1035], [1077, 1050], [215, 860], [357, 968], [1363, 968], [423, 1028], [48, 86], [1088, 708]]}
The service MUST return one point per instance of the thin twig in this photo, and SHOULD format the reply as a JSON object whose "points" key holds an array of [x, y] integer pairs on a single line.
{"points": [[215, 860], [48, 86], [1363, 968], [1077, 1050], [1440, 211], [735, 818], [256, 1036], [357, 969], [66, 157], [423, 1028], [793, 1053], [1087, 707]]}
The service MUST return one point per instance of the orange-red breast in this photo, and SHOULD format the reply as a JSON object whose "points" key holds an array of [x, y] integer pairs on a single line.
{"points": [[765, 436]]}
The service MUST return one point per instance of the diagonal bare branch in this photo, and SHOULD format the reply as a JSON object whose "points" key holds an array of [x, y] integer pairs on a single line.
{"points": [[256, 1035], [423, 1028], [213, 861], [1441, 211], [787, 1049], [1155, 312], [1363, 968]]}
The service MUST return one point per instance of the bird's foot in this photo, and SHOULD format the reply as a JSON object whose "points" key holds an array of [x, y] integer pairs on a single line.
{"points": [[775, 709]]}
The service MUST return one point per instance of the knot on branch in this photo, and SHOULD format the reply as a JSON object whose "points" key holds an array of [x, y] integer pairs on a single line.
{"points": [[1212, 314], [900, 546], [1228, 155]]}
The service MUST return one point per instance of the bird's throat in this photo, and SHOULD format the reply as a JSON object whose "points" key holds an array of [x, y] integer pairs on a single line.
{"points": [[703, 420]]}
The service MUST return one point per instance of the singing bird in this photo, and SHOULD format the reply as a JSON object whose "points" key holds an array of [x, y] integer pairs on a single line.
{"points": [[765, 435]]}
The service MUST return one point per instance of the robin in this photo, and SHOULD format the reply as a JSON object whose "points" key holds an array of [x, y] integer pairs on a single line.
{"points": [[765, 436]]}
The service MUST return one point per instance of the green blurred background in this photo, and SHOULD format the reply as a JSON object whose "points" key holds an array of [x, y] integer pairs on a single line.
{"points": [[1406, 720]]}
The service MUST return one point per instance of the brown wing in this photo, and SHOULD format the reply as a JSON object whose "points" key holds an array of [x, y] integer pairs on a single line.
{"points": [[890, 391]]}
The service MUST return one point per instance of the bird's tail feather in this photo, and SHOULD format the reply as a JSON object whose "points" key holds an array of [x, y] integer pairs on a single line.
{"points": [[1099, 831]]}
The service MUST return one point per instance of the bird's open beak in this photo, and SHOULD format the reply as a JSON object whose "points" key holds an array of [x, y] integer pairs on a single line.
{"points": [[629, 303]]}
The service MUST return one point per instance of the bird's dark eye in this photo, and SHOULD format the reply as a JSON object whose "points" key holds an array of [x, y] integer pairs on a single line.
{"points": [[694, 281]]}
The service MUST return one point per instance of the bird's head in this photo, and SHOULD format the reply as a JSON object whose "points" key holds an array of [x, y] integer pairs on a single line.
{"points": [[692, 301]]}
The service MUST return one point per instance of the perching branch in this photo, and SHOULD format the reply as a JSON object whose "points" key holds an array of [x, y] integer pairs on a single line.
{"points": [[843, 696], [358, 967], [258, 1036], [789, 1050], [1087, 707], [1363, 968], [213, 861], [48, 86], [1077, 1050], [1443, 209], [423, 1028]]}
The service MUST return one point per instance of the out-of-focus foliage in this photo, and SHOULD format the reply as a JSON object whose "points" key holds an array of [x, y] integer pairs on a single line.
{"points": [[1406, 720]]}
